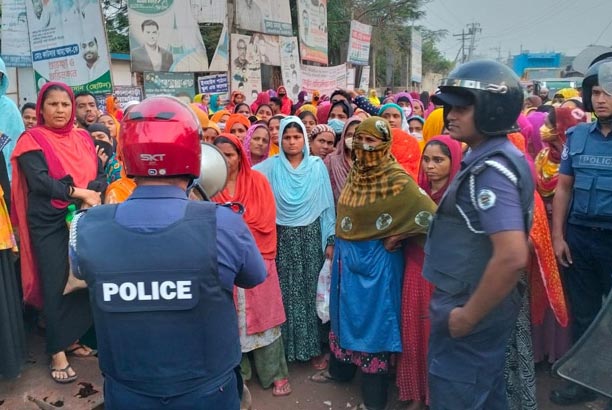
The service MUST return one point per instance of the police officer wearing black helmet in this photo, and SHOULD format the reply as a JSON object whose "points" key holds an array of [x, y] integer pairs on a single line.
{"points": [[477, 243], [161, 270], [582, 214]]}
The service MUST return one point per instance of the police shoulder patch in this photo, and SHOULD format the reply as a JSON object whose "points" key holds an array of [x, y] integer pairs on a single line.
{"points": [[565, 152], [486, 199]]}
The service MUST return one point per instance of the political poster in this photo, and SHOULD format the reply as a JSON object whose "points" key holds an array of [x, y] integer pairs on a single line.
{"points": [[268, 47], [350, 78], [209, 11], [359, 43], [213, 84], [15, 37], [245, 67], [364, 81], [312, 18], [290, 66], [180, 85], [416, 74], [324, 79], [127, 93], [68, 44], [264, 16], [220, 59], [164, 36]]}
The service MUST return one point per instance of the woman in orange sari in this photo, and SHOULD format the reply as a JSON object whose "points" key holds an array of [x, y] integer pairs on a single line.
{"points": [[260, 310], [54, 165]]}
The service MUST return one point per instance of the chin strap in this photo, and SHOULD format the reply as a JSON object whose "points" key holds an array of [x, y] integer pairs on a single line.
{"points": [[605, 121]]}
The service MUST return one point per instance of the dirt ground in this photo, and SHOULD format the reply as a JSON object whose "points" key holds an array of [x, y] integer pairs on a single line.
{"points": [[34, 389]]}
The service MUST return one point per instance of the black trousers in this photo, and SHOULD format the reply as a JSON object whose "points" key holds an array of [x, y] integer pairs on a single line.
{"points": [[373, 386]]}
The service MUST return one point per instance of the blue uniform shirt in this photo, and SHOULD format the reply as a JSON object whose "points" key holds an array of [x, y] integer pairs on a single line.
{"points": [[503, 210], [566, 160], [151, 208]]}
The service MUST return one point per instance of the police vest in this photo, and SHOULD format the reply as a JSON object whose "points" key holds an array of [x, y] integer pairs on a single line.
{"points": [[592, 164], [164, 323], [457, 250]]}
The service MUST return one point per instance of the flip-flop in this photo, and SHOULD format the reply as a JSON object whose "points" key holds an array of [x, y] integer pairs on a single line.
{"points": [[281, 388], [66, 380], [320, 362], [73, 352], [322, 377]]}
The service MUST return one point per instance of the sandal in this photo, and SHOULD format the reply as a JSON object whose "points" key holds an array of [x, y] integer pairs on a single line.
{"points": [[63, 380], [320, 362], [322, 377], [281, 388], [76, 347]]}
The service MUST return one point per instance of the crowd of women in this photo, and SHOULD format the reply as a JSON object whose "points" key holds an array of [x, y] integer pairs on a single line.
{"points": [[348, 178]]}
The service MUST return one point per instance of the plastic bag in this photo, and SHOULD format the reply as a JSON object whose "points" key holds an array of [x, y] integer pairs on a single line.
{"points": [[323, 286]]}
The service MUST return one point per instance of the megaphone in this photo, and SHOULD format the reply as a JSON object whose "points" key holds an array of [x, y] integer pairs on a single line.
{"points": [[213, 172]]}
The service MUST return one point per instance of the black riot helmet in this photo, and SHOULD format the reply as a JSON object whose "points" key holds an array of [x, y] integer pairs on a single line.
{"points": [[493, 89], [591, 79]]}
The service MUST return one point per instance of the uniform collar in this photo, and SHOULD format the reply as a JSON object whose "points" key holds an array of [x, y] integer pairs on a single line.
{"points": [[487, 145], [158, 191]]}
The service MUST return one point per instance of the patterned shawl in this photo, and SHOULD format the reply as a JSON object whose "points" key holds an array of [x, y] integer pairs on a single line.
{"points": [[380, 199]]}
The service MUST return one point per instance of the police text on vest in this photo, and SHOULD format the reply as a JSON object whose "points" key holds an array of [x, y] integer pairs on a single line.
{"points": [[128, 291]]}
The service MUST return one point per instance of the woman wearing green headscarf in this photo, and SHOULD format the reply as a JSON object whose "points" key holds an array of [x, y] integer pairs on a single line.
{"points": [[379, 207]]}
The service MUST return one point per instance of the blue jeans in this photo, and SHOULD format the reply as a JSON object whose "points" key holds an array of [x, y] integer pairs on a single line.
{"points": [[221, 397], [467, 373], [589, 278]]}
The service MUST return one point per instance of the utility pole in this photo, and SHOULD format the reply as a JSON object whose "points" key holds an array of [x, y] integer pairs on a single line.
{"points": [[499, 55], [462, 49], [473, 28]]}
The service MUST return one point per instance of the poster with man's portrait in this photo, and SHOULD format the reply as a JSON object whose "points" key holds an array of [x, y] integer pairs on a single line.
{"points": [[164, 37], [312, 22], [264, 16], [290, 66], [68, 44], [245, 67]]}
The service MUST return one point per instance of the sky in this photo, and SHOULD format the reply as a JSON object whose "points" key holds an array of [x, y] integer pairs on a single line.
{"points": [[566, 26]]}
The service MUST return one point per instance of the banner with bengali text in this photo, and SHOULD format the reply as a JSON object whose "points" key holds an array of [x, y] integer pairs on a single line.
{"points": [[312, 22], [15, 37], [323, 79], [264, 16], [68, 44], [359, 43]]}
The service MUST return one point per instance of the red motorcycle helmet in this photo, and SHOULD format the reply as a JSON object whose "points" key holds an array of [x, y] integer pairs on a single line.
{"points": [[160, 137]]}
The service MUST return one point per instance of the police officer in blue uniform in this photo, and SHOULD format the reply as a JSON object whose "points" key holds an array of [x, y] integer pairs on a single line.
{"points": [[582, 217], [477, 243], [161, 270]]}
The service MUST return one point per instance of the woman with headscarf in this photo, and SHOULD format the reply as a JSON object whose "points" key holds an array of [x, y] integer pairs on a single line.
{"points": [[305, 219], [264, 113], [404, 147], [339, 112], [301, 101], [373, 97], [321, 140], [238, 125], [339, 163], [13, 351], [257, 143], [260, 309], [113, 107], [286, 103], [274, 128], [243, 109], [309, 119], [112, 124], [550, 339], [237, 97], [213, 106], [202, 100], [262, 98], [220, 118], [440, 162], [54, 165], [379, 207], [316, 97], [434, 124]]}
